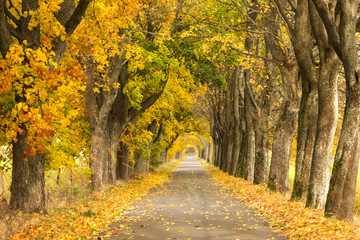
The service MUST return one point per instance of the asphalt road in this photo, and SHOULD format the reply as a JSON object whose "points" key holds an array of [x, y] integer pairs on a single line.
{"points": [[191, 206]]}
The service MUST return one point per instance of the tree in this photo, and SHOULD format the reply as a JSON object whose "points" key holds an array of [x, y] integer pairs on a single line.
{"points": [[302, 36], [155, 129], [286, 124], [340, 199], [327, 115], [126, 73], [32, 31]]}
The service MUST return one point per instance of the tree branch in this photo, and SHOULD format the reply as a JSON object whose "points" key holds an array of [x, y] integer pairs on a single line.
{"points": [[293, 8], [159, 132], [226, 3], [245, 52], [167, 36], [90, 95], [12, 30], [330, 26], [284, 17], [76, 17], [133, 112], [10, 15], [253, 101], [226, 26], [5, 35]]}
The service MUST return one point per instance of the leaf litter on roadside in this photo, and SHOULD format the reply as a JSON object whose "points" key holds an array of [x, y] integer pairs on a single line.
{"points": [[83, 219], [291, 218]]}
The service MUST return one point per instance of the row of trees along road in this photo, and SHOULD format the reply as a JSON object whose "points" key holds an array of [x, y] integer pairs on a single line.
{"points": [[102, 83], [114, 81], [282, 61]]}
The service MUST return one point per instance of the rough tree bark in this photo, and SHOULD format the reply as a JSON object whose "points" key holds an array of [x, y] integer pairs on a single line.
{"points": [[327, 118], [302, 41], [326, 127], [286, 124], [240, 170], [218, 125], [341, 196], [117, 121], [205, 151], [238, 76], [1, 186], [142, 162], [27, 195], [262, 130], [227, 119], [110, 112], [122, 164], [284, 132], [99, 108], [250, 110]]}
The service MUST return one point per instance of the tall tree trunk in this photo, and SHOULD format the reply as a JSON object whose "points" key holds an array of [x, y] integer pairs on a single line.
{"points": [[305, 140], [165, 154], [140, 164], [220, 125], [205, 151], [209, 154], [116, 126], [217, 154], [115, 131], [262, 126], [261, 162], [224, 151], [284, 133], [285, 127], [122, 164], [228, 126], [118, 119], [28, 178], [250, 138], [302, 40], [325, 133], [229, 152], [100, 149], [237, 76], [327, 118], [250, 108], [341, 196], [101, 113], [1, 186], [240, 170]]}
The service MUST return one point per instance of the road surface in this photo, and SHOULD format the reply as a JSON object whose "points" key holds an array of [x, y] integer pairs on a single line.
{"points": [[191, 206]]}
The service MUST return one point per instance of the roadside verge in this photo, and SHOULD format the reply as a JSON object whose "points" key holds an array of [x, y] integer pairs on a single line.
{"points": [[291, 218], [85, 219]]}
